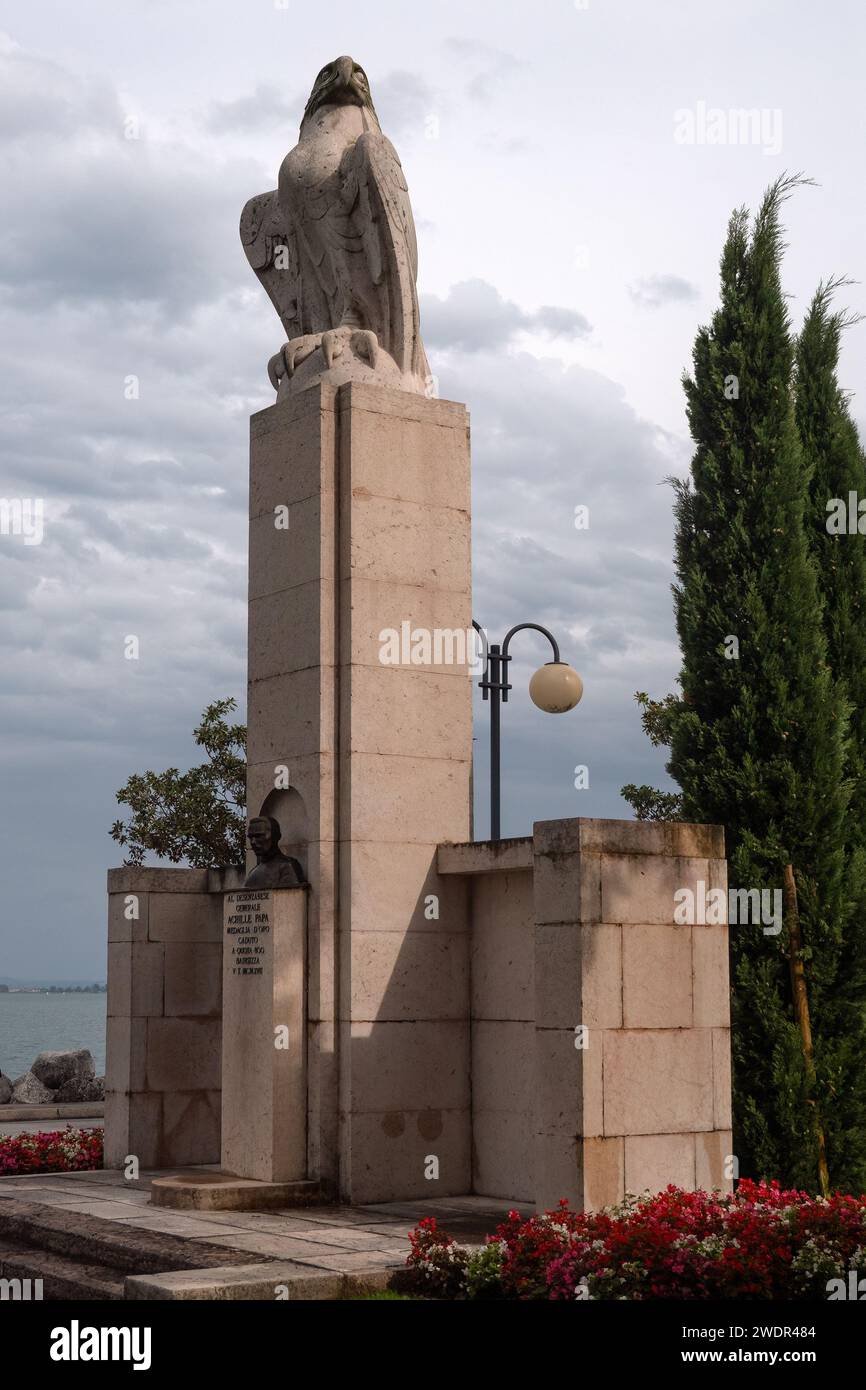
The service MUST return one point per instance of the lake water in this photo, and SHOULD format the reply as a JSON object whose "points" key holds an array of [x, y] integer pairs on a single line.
{"points": [[34, 1023]]}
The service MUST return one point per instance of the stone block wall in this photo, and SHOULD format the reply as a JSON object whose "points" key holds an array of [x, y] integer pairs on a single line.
{"points": [[162, 1085], [640, 1096], [600, 1029], [502, 972], [588, 1031]]}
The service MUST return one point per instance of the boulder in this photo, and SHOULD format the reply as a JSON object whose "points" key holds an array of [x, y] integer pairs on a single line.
{"points": [[56, 1069], [5, 1089], [91, 1088], [29, 1090]]}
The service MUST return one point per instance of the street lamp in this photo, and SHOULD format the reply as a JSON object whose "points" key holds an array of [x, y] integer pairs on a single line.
{"points": [[555, 688]]}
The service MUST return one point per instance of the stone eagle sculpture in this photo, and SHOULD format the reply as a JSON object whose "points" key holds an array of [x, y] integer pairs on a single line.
{"points": [[334, 247]]}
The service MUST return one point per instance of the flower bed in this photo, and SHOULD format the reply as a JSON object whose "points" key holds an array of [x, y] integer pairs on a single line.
{"points": [[53, 1151], [757, 1243]]}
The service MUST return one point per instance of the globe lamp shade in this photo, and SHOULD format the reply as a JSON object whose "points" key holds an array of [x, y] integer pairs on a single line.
{"points": [[555, 687]]}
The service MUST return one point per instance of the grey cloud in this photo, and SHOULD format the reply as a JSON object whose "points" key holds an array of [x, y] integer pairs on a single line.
{"points": [[264, 107], [474, 317], [101, 218], [654, 290], [492, 65], [404, 103], [119, 223], [562, 323], [39, 98]]}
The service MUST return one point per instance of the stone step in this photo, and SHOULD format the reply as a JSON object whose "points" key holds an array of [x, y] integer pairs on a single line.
{"points": [[60, 1277], [91, 1240], [196, 1190]]}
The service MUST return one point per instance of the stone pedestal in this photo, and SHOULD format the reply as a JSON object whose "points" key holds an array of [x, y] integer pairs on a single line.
{"points": [[264, 1088], [360, 524]]}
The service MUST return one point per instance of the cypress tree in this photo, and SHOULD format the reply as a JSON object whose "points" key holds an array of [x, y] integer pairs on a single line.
{"points": [[835, 461], [758, 735]]}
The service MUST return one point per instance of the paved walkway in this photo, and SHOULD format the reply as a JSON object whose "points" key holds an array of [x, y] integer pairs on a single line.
{"points": [[30, 1119], [11, 1128], [334, 1238]]}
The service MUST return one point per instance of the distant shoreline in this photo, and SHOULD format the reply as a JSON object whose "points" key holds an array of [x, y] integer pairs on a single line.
{"points": [[52, 989]]}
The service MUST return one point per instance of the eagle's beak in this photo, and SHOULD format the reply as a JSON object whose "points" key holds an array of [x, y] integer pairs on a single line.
{"points": [[345, 69]]}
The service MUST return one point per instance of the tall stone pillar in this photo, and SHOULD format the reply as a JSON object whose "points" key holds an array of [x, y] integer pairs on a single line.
{"points": [[360, 524]]}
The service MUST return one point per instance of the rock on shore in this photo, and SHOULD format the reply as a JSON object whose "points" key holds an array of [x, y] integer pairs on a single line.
{"points": [[55, 1078]]}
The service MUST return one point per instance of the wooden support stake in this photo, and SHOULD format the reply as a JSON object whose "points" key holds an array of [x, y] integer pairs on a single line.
{"points": [[801, 1013]]}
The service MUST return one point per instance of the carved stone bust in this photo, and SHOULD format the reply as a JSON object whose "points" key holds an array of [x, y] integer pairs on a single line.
{"points": [[273, 869]]}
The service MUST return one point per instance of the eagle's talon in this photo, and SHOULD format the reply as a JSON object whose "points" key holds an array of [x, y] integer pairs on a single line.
{"points": [[274, 373], [290, 356], [332, 346], [302, 348], [365, 345], [362, 341]]}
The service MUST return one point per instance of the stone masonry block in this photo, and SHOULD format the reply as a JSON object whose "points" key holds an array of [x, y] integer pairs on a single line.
{"points": [[712, 993], [503, 1066], [657, 976], [127, 917], [721, 1078], [412, 976], [641, 889], [391, 1152], [503, 947], [410, 1066], [148, 979], [712, 1152], [654, 1160], [193, 979], [119, 981], [603, 1173], [658, 1081], [183, 1054], [185, 917]]}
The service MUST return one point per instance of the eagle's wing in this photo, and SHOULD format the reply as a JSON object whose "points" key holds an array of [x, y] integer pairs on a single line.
{"points": [[375, 189], [272, 251]]}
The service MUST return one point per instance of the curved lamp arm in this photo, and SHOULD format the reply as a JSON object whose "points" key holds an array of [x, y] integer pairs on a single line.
{"points": [[521, 627], [536, 627]]}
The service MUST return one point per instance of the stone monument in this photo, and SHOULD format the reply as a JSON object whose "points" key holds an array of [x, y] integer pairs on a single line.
{"points": [[399, 1010]]}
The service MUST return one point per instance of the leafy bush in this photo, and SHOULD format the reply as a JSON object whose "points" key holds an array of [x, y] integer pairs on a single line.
{"points": [[51, 1151], [438, 1261], [758, 1243]]}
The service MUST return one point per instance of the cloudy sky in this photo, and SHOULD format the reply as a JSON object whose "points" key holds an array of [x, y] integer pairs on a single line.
{"points": [[570, 214]]}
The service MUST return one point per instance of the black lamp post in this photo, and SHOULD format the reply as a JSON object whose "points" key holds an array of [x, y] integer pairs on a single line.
{"points": [[555, 688]]}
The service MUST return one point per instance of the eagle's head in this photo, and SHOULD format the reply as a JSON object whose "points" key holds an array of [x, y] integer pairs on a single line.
{"points": [[340, 83]]}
